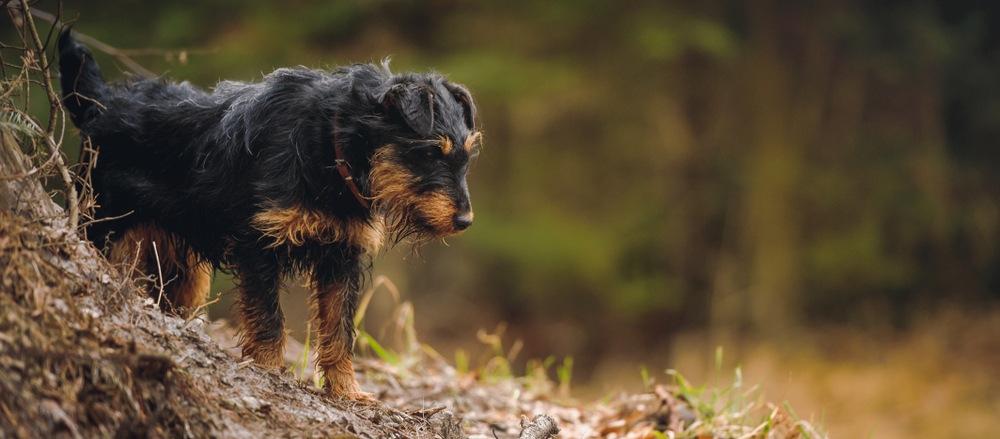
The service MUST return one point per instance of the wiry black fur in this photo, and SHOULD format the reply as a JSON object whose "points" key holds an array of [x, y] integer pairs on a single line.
{"points": [[201, 165]]}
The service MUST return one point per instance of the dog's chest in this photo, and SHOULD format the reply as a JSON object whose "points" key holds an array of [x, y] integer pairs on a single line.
{"points": [[297, 225]]}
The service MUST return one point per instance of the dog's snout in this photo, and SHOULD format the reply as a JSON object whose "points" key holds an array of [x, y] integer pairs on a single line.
{"points": [[463, 220]]}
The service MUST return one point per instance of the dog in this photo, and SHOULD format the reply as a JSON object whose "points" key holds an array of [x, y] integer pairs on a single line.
{"points": [[305, 173]]}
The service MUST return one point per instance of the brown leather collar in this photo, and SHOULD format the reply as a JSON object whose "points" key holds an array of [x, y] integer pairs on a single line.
{"points": [[344, 168]]}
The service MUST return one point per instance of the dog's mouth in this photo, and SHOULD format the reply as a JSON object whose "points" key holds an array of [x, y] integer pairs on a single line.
{"points": [[437, 215], [418, 218], [435, 232]]}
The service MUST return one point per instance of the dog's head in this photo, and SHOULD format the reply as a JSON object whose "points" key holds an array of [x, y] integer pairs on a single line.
{"points": [[418, 174]]}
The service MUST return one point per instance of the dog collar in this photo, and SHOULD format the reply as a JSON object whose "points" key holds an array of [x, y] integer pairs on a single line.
{"points": [[344, 169]]}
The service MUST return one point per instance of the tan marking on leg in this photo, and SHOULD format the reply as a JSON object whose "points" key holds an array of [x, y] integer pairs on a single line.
{"points": [[333, 355], [293, 225], [371, 237], [269, 355], [185, 280], [136, 242], [192, 289], [296, 225]]}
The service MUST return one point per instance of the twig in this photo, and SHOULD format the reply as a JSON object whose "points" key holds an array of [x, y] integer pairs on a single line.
{"points": [[124, 56], [22, 76], [159, 271], [55, 111], [87, 161], [107, 218], [95, 43], [10, 417], [196, 312]]}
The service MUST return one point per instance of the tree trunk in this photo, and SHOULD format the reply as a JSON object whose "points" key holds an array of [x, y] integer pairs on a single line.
{"points": [[772, 224]]}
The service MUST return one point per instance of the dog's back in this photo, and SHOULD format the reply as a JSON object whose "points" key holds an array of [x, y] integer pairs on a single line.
{"points": [[139, 179], [148, 168]]}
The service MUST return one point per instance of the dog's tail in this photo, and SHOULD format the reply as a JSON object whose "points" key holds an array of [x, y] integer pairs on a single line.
{"points": [[82, 83]]}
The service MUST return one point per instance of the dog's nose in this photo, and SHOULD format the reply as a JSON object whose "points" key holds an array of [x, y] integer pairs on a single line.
{"points": [[463, 220]]}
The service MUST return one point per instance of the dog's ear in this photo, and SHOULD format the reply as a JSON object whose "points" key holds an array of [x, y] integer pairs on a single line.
{"points": [[414, 103], [463, 97]]}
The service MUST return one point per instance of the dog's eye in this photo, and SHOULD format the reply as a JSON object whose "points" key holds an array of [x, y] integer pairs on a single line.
{"points": [[431, 154]]}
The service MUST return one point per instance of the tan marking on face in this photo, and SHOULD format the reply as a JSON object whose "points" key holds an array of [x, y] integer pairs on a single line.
{"points": [[428, 215], [471, 140], [390, 189], [438, 211], [296, 225], [445, 144]]}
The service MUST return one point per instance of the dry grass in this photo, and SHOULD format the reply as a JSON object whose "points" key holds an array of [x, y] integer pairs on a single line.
{"points": [[938, 380], [491, 399], [60, 372]]}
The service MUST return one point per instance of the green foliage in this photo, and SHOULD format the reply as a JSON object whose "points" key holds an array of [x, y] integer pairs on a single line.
{"points": [[365, 339], [461, 362], [498, 364], [409, 350], [564, 373], [302, 363], [15, 122], [582, 249], [730, 410], [663, 37], [647, 381], [495, 365]]}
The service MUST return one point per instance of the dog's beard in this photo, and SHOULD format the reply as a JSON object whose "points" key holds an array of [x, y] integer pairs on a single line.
{"points": [[414, 217]]}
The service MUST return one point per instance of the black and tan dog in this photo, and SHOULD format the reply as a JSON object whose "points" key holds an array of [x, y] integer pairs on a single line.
{"points": [[304, 173]]}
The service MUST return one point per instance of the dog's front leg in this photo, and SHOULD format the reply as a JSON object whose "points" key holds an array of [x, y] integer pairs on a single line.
{"points": [[261, 322], [336, 282]]}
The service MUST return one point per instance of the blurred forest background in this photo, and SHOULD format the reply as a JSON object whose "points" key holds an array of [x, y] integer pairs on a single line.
{"points": [[811, 185]]}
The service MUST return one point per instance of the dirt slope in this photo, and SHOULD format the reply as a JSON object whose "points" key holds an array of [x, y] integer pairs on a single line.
{"points": [[82, 355]]}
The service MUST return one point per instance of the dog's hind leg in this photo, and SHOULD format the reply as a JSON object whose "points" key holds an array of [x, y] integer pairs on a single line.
{"points": [[192, 284], [261, 322], [180, 282], [334, 301]]}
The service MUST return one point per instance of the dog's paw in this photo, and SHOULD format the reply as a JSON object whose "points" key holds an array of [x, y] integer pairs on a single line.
{"points": [[361, 397]]}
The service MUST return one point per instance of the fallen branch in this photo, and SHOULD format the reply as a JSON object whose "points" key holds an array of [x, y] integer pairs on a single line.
{"points": [[120, 55], [542, 427], [55, 109]]}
